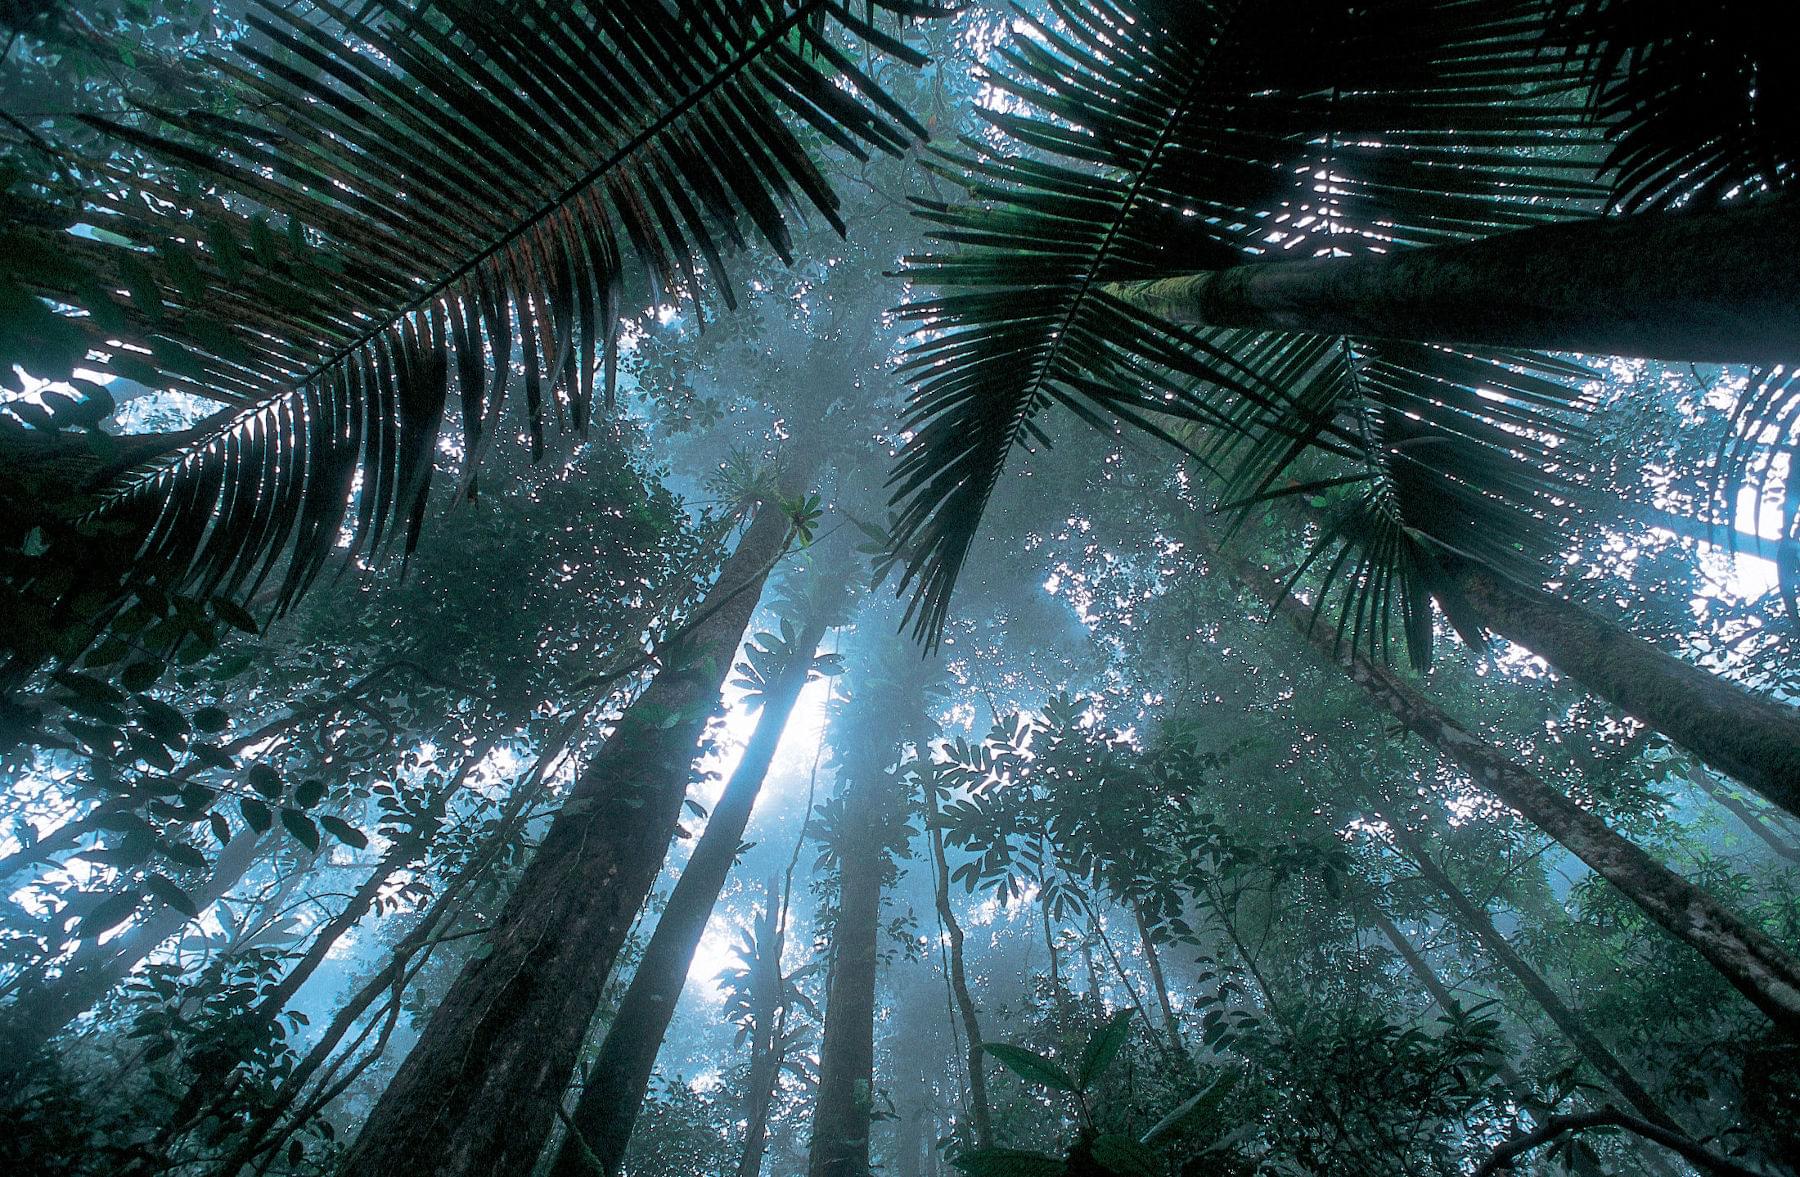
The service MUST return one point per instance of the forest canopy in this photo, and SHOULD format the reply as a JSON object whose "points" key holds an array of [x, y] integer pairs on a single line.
{"points": [[1072, 588]]}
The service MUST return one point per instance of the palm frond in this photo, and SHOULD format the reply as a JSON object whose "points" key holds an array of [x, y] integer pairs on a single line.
{"points": [[414, 199], [1408, 454], [1697, 100], [1142, 137]]}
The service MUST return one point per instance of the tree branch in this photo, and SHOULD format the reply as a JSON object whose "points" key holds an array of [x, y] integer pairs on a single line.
{"points": [[1502, 1158]]}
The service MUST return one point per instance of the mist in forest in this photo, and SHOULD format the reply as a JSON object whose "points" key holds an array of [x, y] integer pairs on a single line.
{"points": [[834, 588]]}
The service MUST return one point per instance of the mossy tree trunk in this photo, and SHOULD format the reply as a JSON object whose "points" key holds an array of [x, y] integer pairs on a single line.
{"points": [[1754, 739], [843, 1111], [479, 1092]]}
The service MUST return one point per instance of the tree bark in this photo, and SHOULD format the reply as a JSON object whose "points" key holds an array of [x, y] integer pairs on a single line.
{"points": [[1710, 286], [42, 1009], [980, 1117], [841, 1117], [1755, 965], [617, 1081], [1755, 740], [479, 1093], [1476, 922]]}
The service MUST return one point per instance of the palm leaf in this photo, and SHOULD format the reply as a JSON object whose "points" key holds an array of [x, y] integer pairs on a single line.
{"points": [[1146, 137], [1697, 100], [463, 193]]}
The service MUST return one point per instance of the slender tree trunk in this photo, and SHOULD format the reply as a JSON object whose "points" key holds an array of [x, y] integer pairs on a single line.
{"points": [[768, 987], [1131, 992], [1756, 966], [842, 1115], [407, 956], [1477, 923], [616, 1083], [478, 1094], [1093, 974], [979, 1115], [1707, 286], [231, 1046], [1752, 821], [1754, 739], [1581, 1163], [1171, 1024], [43, 1008], [1421, 968]]}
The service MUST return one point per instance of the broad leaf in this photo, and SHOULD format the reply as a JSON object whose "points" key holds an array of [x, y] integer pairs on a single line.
{"points": [[1032, 1067]]}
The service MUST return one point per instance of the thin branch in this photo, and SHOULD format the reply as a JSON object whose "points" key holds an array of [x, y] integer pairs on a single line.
{"points": [[1503, 1157]]}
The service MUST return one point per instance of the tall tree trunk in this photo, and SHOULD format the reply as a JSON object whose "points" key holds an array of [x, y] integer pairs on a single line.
{"points": [[1171, 1024], [1756, 966], [479, 1092], [1477, 923], [768, 987], [42, 1008], [1754, 739], [1708, 286], [842, 1114], [620, 1074], [979, 1115]]}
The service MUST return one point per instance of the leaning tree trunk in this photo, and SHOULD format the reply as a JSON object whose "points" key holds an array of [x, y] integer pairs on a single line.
{"points": [[44, 1007], [231, 1045], [1706, 286], [1754, 739], [1478, 924], [1720, 793], [1756, 966], [264, 1133], [980, 1118], [620, 1074], [479, 1093], [1582, 1164], [842, 1115]]}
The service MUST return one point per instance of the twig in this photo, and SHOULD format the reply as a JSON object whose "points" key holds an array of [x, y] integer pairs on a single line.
{"points": [[1706, 1161]]}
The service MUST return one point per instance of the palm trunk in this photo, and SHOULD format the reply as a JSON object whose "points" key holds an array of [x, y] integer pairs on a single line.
{"points": [[979, 1115], [480, 1091], [1171, 1023], [1755, 965], [1705, 286], [616, 1083], [1754, 739], [769, 997], [43, 1008], [1477, 923], [842, 1115]]}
